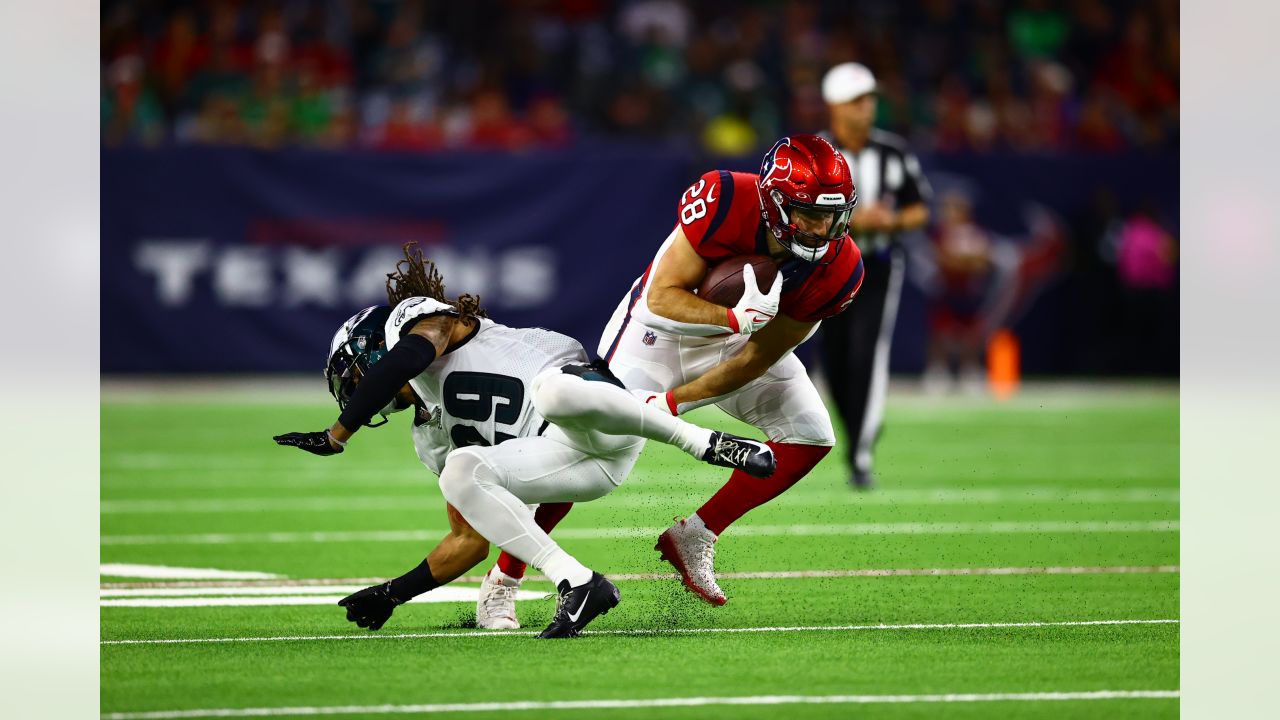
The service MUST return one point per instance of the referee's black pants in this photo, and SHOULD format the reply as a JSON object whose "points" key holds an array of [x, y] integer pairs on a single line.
{"points": [[855, 354]]}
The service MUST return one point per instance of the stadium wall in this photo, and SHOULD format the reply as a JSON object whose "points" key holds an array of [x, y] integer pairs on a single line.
{"points": [[219, 260]]}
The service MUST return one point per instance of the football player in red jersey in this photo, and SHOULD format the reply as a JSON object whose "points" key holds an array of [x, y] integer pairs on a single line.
{"points": [[681, 352]]}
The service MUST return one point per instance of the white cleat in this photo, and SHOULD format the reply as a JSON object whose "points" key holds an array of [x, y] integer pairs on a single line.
{"points": [[496, 607], [691, 548]]}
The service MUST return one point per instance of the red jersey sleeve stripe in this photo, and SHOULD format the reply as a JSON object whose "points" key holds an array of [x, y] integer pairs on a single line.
{"points": [[855, 280], [723, 203]]}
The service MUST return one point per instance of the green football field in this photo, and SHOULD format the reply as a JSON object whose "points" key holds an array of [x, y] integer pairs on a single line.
{"points": [[1018, 559]]}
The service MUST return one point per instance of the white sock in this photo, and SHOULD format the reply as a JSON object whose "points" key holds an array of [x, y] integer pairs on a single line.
{"points": [[694, 523], [560, 566], [693, 439], [497, 574]]}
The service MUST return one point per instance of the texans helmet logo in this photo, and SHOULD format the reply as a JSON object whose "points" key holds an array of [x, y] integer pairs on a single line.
{"points": [[774, 167]]}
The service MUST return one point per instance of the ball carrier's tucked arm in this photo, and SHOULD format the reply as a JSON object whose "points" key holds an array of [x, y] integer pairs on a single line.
{"points": [[672, 306]]}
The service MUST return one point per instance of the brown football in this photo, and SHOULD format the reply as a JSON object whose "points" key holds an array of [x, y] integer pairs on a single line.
{"points": [[723, 283]]}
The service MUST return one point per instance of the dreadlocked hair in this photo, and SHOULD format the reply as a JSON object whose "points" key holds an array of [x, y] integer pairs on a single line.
{"points": [[416, 276]]}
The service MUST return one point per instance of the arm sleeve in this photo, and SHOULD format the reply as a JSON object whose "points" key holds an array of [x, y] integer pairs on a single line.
{"points": [[379, 386]]}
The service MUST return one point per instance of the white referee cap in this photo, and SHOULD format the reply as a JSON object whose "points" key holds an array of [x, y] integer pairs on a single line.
{"points": [[847, 81]]}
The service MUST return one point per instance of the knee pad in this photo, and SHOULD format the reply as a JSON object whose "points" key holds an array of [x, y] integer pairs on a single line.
{"points": [[536, 385], [461, 473], [809, 429], [558, 396], [553, 395]]}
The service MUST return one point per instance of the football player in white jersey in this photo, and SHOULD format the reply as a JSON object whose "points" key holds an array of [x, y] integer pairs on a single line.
{"points": [[519, 416]]}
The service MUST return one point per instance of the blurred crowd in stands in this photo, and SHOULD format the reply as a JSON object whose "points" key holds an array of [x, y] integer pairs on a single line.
{"points": [[955, 75]]}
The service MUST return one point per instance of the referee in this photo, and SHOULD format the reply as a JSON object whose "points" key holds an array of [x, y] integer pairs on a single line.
{"points": [[892, 197]]}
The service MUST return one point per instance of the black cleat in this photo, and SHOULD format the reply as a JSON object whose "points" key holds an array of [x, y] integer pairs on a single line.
{"points": [[750, 456], [862, 480], [579, 605]]}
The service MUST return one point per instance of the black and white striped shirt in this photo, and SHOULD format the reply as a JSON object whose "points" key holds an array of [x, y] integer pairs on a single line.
{"points": [[885, 172]]}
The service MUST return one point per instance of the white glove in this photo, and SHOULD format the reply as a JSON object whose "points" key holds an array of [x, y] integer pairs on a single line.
{"points": [[653, 398], [755, 309]]}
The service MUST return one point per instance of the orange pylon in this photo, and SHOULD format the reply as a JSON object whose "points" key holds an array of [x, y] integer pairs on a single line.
{"points": [[1004, 366]]}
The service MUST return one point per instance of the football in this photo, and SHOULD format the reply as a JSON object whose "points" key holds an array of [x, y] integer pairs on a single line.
{"points": [[723, 283]]}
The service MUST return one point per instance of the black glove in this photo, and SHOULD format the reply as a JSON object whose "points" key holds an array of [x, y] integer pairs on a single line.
{"points": [[316, 443], [371, 607]]}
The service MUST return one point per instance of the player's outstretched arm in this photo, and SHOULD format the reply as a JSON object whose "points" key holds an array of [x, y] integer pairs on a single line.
{"points": [[426, 341], [760, 353]]}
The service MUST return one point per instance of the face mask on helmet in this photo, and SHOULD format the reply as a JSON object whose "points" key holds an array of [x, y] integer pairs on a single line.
{"points": [[808, 229], [357, 345]]}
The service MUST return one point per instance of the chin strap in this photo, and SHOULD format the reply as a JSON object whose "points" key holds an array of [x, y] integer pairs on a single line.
{"points": [[823, 256]]}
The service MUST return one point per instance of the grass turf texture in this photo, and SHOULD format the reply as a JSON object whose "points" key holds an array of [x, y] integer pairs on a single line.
{"points": [[180, 468]]}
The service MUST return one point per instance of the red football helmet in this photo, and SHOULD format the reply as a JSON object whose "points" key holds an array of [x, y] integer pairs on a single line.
{"points": [[807, 196]]}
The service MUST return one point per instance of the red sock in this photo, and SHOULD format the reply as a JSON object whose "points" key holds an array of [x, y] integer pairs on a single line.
{"points": [[743, 493], [547, 516]]}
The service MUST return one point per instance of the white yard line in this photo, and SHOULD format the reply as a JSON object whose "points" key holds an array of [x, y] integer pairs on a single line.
{"points": [[902, 528], [166, 572], [323, 583], [363, 710], [188, 602], [655, 631], [282, 593], [218, 481], [275, 596], [250, 505], [942, 496], [275, 588]]}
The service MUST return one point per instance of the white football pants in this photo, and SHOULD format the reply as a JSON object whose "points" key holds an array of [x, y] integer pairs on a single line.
{"points": [[783, 403], [594, 440]]}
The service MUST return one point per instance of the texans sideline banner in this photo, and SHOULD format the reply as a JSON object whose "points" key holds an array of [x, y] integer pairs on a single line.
{"points": [[239, 260]]}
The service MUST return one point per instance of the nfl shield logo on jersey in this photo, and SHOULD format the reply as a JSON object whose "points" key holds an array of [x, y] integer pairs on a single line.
{"points": [[650, 337]]}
